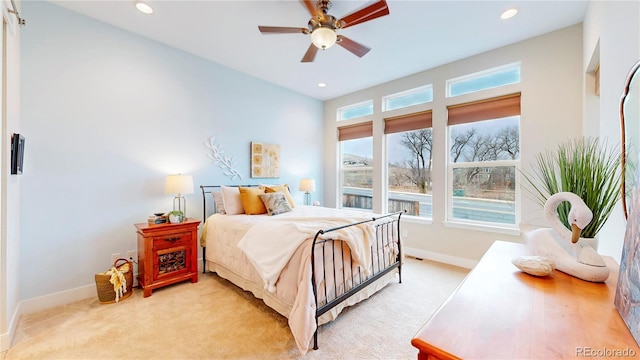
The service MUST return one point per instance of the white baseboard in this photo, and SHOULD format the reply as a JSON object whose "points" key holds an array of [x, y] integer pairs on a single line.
{"points": [[59, 298], [42, 303], [447, 259], [7, 338]]}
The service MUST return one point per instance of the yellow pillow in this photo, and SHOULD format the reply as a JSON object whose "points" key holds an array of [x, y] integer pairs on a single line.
{"points": [[251, 202], [282, 188]]}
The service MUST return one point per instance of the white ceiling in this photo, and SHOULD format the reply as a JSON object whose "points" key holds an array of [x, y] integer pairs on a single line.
{"points": [[415, 36]]}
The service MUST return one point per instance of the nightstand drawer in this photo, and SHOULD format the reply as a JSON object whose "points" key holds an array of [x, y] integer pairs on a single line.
{"points": [[171, 240]]}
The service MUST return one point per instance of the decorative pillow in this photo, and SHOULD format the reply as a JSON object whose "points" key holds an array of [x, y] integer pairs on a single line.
{"points": [[251, 202], [283, 189], [231, 200], [275, 202], [217, 199]]}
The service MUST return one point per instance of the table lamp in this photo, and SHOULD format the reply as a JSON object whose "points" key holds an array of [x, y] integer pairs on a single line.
{"points": [[179, 185], [307, 185]]}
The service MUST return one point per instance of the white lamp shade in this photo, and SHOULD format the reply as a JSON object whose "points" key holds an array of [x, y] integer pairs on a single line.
{"points": [[307, 185], [179, 184], [323, 38]]}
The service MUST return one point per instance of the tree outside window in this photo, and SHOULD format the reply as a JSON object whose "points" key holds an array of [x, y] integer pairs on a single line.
{"points": [[483, 157]]}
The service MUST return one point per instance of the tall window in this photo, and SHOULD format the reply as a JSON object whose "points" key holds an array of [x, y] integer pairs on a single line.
{"points": [[485, 151], [356, 165], [409, 157]]}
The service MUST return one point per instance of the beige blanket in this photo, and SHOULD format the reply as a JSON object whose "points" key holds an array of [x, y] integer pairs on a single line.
{"points": [[286, 235]]}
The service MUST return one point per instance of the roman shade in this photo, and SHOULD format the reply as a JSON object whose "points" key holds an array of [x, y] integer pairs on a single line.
{"points": [[355, 131], [494, 108], [415, 121]]}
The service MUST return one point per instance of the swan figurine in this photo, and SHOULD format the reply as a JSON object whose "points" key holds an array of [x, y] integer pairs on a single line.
{"points": [[565, 248]]}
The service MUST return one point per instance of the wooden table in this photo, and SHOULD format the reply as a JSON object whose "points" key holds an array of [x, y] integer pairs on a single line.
{"points": [[499, 312]]}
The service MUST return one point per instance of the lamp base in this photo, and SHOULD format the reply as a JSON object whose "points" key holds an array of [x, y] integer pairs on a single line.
{"points": [[182, 204]]}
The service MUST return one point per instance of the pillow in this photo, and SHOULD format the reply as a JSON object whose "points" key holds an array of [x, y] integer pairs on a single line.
{"points": [[217, 199], [231, 200], [275, 202], [283, 189], [251, 202]]}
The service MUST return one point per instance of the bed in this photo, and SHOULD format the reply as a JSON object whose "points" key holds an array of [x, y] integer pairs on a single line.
{"points": [[308, 263]]}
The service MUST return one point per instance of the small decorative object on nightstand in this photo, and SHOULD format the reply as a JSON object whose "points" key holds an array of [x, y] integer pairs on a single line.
{"points": [[175, 216], [167, 253]]}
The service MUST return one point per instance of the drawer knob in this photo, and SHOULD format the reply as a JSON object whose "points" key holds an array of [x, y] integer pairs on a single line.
{"points": [[172, 240]]}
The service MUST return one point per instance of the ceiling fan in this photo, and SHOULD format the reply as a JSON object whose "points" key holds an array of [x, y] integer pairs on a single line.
{"points": [[322, 26]]}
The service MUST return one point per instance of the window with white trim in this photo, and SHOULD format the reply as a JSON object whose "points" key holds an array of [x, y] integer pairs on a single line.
{"points": [[355, 111], [419, 95], [409, 158], [356, 165], [483, 80], [484, 138]]}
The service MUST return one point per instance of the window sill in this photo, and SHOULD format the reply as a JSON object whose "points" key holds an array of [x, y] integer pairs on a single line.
{"points": [[416, 220], [507, 230]]}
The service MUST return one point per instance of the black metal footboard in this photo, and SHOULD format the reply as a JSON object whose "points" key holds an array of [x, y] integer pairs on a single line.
{"points": [[334, 284]]}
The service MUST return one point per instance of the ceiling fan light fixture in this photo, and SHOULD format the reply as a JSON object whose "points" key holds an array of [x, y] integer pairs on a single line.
{"points": [[144, 7], [323, 37]]}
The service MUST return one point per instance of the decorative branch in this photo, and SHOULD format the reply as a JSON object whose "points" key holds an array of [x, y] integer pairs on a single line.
{"points": [[225, 162]]}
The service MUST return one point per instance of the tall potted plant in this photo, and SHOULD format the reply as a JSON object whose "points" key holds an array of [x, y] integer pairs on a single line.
{"points": [[584, 167]]}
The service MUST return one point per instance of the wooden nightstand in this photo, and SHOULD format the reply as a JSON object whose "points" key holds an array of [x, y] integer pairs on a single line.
{"points": [[167, 253]]}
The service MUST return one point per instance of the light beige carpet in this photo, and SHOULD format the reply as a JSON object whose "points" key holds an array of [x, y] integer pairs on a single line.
{"points": [[213, 319]]}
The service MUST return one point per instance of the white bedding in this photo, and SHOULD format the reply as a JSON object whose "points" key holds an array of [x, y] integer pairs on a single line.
{"points": [[289, 281]]}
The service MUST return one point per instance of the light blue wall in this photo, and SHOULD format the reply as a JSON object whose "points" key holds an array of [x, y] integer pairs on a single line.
{"points": [[107, 115]]}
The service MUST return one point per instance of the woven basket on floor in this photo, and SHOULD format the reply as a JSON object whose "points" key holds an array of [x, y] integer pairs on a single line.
{"points": [[106, 294]]}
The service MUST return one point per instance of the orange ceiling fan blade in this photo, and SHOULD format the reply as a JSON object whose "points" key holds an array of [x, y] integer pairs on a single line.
{"points": [[369, 12], [311, 7], [356, 48], [310, 54]]}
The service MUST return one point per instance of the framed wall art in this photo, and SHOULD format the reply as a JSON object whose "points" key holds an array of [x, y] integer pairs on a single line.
{"points": [[627, 300], [265, 160]]}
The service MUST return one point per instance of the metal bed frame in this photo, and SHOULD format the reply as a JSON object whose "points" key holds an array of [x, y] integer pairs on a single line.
{"points": [[387, 236]]}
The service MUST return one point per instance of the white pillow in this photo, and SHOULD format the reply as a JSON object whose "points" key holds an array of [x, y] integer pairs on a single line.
{"points": [[217, 199], [231, 200]]}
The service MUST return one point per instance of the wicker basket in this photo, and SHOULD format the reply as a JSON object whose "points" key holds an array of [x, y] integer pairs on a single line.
{"points": [[106, 294]]}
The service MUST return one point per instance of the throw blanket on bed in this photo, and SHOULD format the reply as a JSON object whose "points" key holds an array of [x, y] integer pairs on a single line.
{"points": [[270, 244]]}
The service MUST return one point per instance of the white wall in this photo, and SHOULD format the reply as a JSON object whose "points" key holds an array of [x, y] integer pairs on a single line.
{"points": [[106, 116], [551, 112], [9, 184], [612, 33]]}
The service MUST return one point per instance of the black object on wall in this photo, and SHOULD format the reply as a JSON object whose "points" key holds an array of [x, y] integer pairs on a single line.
{"points": [[17, 154]]}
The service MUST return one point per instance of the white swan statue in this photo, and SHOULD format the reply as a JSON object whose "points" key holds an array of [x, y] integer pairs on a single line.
{"points": [[565, 248]]}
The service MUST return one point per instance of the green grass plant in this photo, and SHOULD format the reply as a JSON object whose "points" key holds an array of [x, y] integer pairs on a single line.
{"points": [[585, 167]]}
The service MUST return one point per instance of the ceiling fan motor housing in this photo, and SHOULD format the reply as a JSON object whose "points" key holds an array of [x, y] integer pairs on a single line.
{"points": [[324, 20]]}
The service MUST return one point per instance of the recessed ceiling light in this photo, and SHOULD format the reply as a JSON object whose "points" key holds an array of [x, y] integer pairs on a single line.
{"points": [[144, 7], [508, 14], [321, 84]]}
